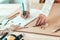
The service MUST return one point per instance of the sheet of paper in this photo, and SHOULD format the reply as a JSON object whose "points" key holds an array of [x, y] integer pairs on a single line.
{"points": [[19, 20]]}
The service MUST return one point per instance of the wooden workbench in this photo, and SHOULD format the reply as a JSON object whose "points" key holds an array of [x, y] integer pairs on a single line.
{"points": [[53, 23], [36, 33]]}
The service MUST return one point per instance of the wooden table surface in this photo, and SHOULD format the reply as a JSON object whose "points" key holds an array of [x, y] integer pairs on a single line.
{"points": [[53, 22]]}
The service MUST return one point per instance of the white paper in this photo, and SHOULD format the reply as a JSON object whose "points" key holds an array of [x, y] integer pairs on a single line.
{"points": [[33, 14]]}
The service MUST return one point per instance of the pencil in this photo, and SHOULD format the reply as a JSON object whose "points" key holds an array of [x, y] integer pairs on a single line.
{"points": [[24, 12]]}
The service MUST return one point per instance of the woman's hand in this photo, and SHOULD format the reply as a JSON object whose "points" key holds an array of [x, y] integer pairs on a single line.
{"points": [[41, 20], [26, 16]]}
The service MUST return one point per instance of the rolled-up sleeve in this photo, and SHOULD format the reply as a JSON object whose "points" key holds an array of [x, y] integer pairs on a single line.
{"points": [[47, 7]]}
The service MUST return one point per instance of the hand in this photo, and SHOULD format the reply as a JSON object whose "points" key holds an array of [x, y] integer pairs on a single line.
{"points": [[41, 20], [26, 16]]}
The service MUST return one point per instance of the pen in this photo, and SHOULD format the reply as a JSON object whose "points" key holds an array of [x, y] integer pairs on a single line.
{"points": [[24, 12]]}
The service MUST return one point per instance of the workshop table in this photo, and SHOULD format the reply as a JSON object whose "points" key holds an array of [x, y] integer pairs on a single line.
{"points": [[53, 23]]}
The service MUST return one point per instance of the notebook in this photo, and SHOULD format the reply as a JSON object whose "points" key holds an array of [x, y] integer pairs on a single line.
{"points": [[19, 20], [22, 22]]}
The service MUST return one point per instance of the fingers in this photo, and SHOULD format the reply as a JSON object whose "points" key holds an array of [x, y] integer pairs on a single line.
{"points": [[41, 20], [37, 21], [22, 16], [26, 16]]}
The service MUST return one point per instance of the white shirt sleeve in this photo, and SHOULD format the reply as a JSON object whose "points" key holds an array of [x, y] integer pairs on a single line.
{"points": [[47, 7], [26, 4]]}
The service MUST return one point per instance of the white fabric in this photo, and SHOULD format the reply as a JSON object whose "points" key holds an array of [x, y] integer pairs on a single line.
{"points": [[26, 5], [47, 7]]}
